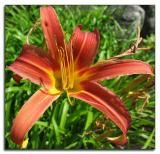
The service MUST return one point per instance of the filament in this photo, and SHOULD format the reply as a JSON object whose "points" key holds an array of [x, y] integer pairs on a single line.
{"points": [[66, 66]]}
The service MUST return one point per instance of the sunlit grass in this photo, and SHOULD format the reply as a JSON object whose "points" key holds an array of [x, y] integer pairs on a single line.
{"points": [[74, 127]]}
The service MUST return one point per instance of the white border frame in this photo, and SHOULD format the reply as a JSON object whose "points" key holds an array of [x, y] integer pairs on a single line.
{"points": [[83, 2]]}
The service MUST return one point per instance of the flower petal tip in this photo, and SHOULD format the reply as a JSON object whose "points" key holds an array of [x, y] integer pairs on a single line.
{"points": [[119, 140]]}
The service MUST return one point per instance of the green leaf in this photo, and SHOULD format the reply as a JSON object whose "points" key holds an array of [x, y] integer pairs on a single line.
{"points": [[72, 145], [89, 120], [149, 140], [64, 114]]}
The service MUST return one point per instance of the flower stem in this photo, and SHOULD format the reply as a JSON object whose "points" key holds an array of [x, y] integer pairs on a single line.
{"points": [[69, 100]]}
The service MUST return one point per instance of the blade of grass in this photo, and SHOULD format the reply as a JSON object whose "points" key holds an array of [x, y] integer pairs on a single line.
{"points": [[64, 114], [56, 129], [89, 120], [149, 140], [71, 145]]}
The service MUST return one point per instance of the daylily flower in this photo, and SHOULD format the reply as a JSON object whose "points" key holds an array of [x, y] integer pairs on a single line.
{"points": [[68, 67]]}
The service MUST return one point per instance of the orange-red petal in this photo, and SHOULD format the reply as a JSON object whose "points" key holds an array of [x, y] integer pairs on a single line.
{"points": [[29, 114], [35, 66], [85, 45], [111, 69], [52, 30], [109, 104]]}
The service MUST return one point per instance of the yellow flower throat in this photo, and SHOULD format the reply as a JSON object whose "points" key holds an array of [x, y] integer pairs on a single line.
{"points": [[67, 67]]}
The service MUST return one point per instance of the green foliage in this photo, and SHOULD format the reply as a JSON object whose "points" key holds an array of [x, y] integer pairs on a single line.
{"points": [[74, 127]]}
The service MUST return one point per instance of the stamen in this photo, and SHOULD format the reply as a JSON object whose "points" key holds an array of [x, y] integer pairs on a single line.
{"points": [[71, 67], [67, 67]]}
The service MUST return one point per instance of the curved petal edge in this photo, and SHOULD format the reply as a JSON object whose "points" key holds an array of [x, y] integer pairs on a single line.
{"points": [[32, 64], [109, 104], [30, 113], [112, 69], [85, 46]]}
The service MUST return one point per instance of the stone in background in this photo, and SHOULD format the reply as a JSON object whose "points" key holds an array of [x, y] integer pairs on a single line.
{"points": [[131, 16]]}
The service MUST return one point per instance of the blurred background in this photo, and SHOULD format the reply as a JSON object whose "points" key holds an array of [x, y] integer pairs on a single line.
{"points": [[80, 126]]}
